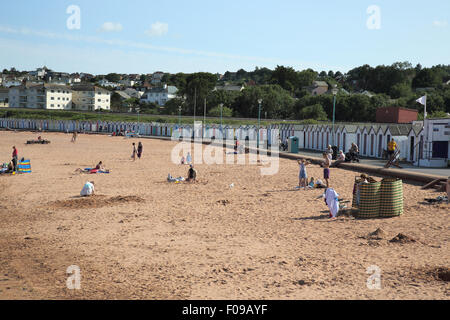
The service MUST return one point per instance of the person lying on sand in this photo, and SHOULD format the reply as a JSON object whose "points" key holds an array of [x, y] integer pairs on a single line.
{"points": [[88, 189], [100, 166]]}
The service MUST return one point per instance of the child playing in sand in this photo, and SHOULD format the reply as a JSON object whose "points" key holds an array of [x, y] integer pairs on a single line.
{"points": [[303, 176], [88, 189], [74, 136], [311, 183], [332, 201], [326, 168], [183, 160]]}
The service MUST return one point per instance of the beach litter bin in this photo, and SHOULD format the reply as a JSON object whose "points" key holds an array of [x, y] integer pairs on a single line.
{"points": [[293, 145]]}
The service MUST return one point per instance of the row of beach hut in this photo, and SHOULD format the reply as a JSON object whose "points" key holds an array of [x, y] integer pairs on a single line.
{"points": [[372, 139]]}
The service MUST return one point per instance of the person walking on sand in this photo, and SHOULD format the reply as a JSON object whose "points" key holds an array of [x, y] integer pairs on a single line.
{"points": [[133, 155], [14, 158], [326, 168], [139, 150], [74, 136]]}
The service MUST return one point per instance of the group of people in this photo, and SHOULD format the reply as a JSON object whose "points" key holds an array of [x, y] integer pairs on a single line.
{"points": [[11, 167], [330, 196], [137, 151], [303, 175]]}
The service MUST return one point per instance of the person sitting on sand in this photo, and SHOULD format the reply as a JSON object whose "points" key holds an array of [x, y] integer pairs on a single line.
{"points": [[192, 174], [311, 183], [88, 189], [183, 160]]}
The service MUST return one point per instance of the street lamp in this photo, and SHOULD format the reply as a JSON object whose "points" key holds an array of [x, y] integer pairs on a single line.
{"points": [[259, 119], [221, 115], [179, 116], [138, 110], [335, 92]]}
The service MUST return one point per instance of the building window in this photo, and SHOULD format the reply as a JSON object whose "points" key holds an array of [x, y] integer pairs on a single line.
{"points": [[52, 98]]}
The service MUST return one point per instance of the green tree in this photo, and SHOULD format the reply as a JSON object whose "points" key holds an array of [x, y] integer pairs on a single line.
{"points": [[315, 112], [113, 77], [215, 112]]}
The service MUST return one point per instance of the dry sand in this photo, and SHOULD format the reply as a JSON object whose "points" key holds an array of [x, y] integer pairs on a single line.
{"points": [[143, 238]]}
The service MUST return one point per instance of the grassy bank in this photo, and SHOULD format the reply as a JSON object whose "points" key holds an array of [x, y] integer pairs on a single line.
{"points": [[106, 116]]}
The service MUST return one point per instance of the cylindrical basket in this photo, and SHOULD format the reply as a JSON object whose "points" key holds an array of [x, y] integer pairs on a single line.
{"points": [[369, 200], [391, 199]]}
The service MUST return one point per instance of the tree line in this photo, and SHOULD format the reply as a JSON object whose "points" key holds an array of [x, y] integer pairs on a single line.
{"points": [[285, 95]]}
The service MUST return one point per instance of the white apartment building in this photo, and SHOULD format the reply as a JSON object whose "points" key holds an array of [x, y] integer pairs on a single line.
{"points": [[160, 95], [90, 98], [40, 96]]}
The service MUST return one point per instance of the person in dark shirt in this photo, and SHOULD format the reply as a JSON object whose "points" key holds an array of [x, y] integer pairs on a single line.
{"points": [[14, 158], [139, 150], [192, 174]]}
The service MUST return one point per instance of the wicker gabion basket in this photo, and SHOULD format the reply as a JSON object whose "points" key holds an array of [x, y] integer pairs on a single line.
{"points": [[369, 200], [391, 198]]}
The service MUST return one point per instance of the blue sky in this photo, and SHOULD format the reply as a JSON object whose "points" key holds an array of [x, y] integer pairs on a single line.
{"points": [[137, 36]]}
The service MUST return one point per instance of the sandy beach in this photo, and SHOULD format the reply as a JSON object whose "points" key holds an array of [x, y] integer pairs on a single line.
{"points": [[141, 237]]}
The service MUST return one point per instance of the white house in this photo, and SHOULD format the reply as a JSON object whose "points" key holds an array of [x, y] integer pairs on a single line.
{"points": [[89, 97], [160, 95], [157, 77], [436, 143], [107, 83], [40, 96]]}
